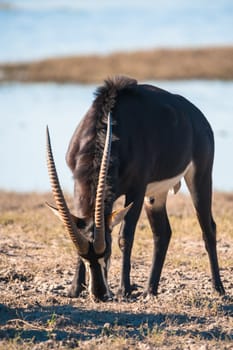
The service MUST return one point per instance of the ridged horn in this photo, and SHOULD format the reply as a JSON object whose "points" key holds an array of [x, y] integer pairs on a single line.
{"points": [[80, 242], [99, 239]]}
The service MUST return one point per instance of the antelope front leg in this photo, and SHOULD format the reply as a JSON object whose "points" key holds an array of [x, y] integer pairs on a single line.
{"points": [[78, 283], [126, 237], [157, 215]]}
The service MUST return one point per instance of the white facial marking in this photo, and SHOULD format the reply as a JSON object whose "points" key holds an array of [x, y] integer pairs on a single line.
{"points": [[87, 266], [103, 265]]}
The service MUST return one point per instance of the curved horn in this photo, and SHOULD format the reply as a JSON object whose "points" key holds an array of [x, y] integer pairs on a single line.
{"points": [[79, 240], [99, 239]]}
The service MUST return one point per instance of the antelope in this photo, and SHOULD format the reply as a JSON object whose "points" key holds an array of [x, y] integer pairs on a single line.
{"points": [[136, 140]]}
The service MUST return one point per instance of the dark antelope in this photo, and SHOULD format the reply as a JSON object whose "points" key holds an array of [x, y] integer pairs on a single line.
{"points": [[138, 141]]}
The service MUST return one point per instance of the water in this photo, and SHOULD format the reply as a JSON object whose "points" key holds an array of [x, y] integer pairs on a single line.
{"points": [[28, 110], [38, 29]]}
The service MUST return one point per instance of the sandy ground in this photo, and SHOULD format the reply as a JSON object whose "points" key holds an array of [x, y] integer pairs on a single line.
{"points": [[159, 64], [37, 262]]}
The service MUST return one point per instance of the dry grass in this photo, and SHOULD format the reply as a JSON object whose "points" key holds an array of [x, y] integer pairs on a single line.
{"points": [[37, 265], [202, 63]]}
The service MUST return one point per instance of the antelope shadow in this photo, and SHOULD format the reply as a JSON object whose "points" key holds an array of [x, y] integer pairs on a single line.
{"points": [[74, 323]]}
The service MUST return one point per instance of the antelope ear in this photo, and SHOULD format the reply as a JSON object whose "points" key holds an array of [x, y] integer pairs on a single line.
{"points": [[118, 215], [56, 212]]}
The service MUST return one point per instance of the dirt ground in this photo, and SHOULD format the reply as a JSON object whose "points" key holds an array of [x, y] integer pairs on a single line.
{"points": [[37, 263], [158, 64]]}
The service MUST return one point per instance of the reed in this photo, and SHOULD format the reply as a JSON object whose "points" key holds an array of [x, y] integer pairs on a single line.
{"points": [[159, 64]]}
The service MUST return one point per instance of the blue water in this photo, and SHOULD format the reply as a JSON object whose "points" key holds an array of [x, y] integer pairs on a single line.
{"points": [[29, 109], [37, 29]]}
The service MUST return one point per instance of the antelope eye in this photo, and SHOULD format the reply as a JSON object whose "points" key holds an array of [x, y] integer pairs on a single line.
{"points": [[81, 224]]}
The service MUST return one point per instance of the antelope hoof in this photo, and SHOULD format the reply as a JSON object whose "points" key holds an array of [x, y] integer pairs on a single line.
{"points": [[150, 294], [219, 289], [126, 291], [75, 291]]}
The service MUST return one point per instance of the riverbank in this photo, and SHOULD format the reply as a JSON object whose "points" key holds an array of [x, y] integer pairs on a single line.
{"points": [[160, 64]]}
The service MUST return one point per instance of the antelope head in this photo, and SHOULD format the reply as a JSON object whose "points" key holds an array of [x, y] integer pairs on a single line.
{"points": [[90, 240]]}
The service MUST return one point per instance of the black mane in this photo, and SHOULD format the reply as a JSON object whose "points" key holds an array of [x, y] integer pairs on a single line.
{"points": [[86, 147]]}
